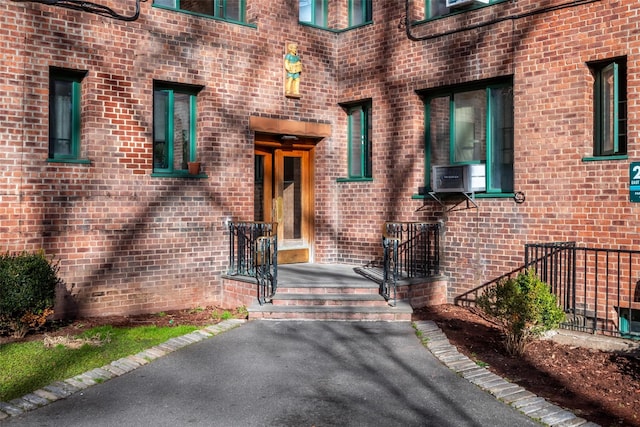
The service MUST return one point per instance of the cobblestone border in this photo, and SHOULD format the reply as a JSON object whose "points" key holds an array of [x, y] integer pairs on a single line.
{"points": [[512, 394], [61, 389]]}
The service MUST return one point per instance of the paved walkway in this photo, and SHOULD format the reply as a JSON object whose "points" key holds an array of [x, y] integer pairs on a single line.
{"points": [[269, 373]]}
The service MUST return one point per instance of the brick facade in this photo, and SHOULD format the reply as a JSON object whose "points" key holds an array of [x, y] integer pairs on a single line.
{"points": [[131, 242]]}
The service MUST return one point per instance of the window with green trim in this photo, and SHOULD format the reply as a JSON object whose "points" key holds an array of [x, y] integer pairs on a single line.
{"points": [[472, 125], [609, 107], [64, 114], [313, 12], [437, 8], [360, 12], [174, 128], [359, 135], [230, 10]]}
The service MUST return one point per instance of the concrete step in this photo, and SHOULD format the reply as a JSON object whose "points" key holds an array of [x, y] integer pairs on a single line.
{"points": [[400, 313], [330, 292], [329, 288], [333, 299]]}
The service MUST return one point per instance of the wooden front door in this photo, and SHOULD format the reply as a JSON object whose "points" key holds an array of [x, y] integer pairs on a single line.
{"points": [[284, 194]]}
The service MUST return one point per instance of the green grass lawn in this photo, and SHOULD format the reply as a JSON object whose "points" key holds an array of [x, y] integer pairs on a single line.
{"points": [[28, 366]]}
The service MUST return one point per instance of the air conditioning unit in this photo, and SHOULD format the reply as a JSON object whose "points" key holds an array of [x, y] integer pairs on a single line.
{"points": [[460, 3], [458, 178]]}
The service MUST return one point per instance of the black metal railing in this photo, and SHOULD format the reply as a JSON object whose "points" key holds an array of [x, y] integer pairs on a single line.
{"points": [[410, 250], [253, 252], [469, 298], [599, 289], [267, 267], [390, 271]]}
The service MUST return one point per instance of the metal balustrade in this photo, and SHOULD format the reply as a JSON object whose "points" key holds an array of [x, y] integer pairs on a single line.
{"points": [[410, 250], [598, 288], [253, 252]]}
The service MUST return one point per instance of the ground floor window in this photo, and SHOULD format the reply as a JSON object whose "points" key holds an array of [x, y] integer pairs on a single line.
{"points": [[609, 107], [360, 146], [174, 128], [472, 124], [64, 114]]}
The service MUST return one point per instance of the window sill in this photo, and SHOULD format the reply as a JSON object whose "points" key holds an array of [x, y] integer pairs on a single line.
{"points": [[601, 158], [335, 30], [354, 180], [186, 175], [73, 161], [475, 195]]}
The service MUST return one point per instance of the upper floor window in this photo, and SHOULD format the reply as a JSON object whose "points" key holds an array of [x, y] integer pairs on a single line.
{"points": [[231, 10], [610, 107], [313, 12], [360, 145], [436, 8], [174, 128], [360, 12], [64, 114], [473, 125]]}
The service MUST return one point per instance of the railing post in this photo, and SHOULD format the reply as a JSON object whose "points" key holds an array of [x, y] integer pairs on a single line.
{"points": [[390, 269]]}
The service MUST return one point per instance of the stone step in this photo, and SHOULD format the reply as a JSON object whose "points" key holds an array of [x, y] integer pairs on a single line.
{"points": [[328, 288], [400, 313], [330, 293], [332, 299]]}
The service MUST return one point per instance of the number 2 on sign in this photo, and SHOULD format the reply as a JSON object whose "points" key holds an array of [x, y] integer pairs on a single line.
{"points": [[635, 175]]}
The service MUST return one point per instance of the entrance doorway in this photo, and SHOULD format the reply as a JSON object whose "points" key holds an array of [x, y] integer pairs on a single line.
{"points": [[283, 193]]}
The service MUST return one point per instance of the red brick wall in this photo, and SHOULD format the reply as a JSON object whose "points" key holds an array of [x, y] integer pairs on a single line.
{"points": [[566, 198], [129, 242]]}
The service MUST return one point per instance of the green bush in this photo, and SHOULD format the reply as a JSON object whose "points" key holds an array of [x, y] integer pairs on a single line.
{"points": [[524, 308], [27, 291]]}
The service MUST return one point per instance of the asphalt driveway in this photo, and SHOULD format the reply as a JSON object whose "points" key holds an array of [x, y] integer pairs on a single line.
{"points": [[287, 373]]}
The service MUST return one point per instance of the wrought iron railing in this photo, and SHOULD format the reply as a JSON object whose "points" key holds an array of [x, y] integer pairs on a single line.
{"points": [[253, 252], [599, 289], [410, 250], [267, 267]]}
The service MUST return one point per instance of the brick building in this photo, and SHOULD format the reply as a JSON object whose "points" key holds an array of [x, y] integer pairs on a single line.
{"points": [[100, 117]]}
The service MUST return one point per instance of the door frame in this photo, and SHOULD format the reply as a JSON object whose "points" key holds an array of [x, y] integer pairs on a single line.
{"points": [[274, 152]]}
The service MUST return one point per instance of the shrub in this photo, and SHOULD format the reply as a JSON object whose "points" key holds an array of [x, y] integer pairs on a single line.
{"points": [[27, 291], [524, 308]]}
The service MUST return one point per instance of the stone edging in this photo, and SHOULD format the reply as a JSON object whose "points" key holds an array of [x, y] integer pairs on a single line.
{"points": [[61, 389], [512, 394]]}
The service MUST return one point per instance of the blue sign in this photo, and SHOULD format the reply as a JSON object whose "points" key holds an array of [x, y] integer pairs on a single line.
{"points": [[634, 182]]}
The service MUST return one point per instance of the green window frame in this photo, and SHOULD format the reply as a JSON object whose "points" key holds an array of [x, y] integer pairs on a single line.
{"points": [[359, 137], [360, 12], [313, 12], [472, 124], [174, 129], [228, 10], [609, 108], [438, 8], [65, 114]]}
